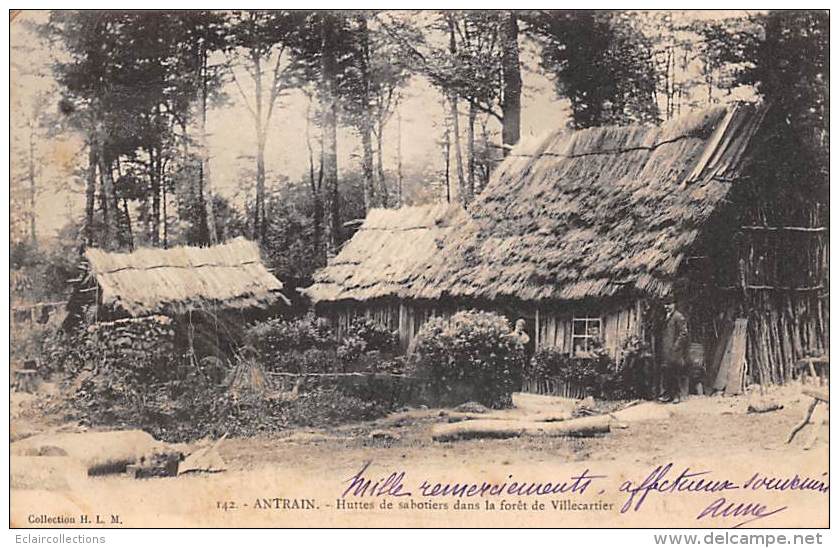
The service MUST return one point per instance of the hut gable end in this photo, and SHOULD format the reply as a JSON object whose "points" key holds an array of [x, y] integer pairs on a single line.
{"points": [[174, 281]]}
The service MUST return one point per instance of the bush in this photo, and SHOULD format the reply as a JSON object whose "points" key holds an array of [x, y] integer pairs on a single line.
{"points": [[376, 337], [350, 351], [281, 344], [64, 352], [328, 406], [191, 405], [472, 356], [316, 360], [596, 373], [308, 345], [586, 372], [634, 375]]}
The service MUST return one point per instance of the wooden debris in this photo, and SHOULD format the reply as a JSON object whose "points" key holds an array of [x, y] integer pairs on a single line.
{"points": [[384, 435], [247, 378], [510, 415], [472, 407], [206, 459], [542, 403], [99, 452], [157, 466], [764, 406], [643, 412], [582, 427], [821, 395], [732, 371]]}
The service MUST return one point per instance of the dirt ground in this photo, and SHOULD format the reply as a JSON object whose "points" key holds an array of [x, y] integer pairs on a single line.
{"points": [[710, 433]]}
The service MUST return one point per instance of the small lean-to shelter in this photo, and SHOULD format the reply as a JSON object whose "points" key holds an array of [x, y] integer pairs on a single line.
{"points": [[220, 287], [582, 233], [373, 273]]}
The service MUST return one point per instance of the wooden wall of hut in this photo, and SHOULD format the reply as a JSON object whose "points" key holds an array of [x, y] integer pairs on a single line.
{"points": [[783, 286], [769, 255], [555, 325], [405, 318]]}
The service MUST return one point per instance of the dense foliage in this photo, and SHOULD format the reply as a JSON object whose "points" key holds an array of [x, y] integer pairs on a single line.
{"points": [[309, 345], [597, 373], [471, 356], [602, 64], [175, 398]]}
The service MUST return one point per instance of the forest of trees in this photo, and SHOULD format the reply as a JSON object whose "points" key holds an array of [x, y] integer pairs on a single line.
{"points": [[137, 88]]}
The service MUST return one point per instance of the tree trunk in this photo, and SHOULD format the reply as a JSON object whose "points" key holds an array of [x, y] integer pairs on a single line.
{"points": [[458, 155], [398, 155], [330, 135], [90, 191], [447, 155], [33, 235], [511, 69], [108, 213], [130, 231], [259, 206], [155, 197], [369, 180], [470, 143], [317, 228], [259, 209], [165, 216], [122, 221], [380, 169], [315, 186], [205, 180], [366, 130], [486, 164]]}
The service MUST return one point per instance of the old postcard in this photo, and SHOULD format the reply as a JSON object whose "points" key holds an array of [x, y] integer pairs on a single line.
{"points": [[434, 268]]}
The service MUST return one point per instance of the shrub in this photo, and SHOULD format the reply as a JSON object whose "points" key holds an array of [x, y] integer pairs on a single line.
{"points": [[472, 356], [634, 375], [308, 345], [350, 350], [375, 335], [279, 343], [316, 360], [596, 373], [65, 352], [327, 406]]}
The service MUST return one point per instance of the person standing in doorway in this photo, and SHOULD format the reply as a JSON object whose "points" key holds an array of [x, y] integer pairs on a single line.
{"points": [[523, 339], [674, 349], [520, 332]]}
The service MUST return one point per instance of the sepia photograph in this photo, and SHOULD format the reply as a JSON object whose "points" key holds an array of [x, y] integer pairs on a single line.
{"points": [[391, 268]]}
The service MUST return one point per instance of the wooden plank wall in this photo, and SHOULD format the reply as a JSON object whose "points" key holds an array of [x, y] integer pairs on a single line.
{"points": [[404, 318], [554, 328]]}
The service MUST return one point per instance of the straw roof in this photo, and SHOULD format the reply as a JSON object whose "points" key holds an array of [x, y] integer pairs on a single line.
{"points": [[150, 280], [591, 213], [388, 253]]}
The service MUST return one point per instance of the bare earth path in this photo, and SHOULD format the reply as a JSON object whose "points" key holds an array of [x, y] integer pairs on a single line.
{"points": [[272, 480]]}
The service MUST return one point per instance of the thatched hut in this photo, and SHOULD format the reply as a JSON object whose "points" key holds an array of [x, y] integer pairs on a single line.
{"points": [[374, 272], [583, 233], [222, 286], [588, 228]]}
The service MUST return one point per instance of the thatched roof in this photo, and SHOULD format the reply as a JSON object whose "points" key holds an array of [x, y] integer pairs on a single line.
{"points": [[150, 280], [591, 213], [390, 250]]}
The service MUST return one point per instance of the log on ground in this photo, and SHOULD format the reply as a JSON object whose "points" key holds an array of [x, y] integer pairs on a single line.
{"points": [[583, 427]]}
